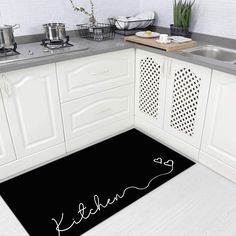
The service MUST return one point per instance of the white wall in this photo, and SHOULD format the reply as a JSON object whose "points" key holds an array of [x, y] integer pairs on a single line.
{"points": [[31, 14], [214, 17]]}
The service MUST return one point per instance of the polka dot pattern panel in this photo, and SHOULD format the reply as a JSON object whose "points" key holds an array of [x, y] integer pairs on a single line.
{"points": [[185, 101], [150, 72]]}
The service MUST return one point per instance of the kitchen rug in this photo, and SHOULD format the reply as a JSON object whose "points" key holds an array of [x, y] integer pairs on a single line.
{"points": [[75, 193]]}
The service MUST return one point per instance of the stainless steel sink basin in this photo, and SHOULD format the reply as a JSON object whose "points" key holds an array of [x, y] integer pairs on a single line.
{"points": [[214, 52]]}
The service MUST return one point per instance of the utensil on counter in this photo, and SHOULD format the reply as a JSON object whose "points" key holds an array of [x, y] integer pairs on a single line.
{"points": [[55, 32], [7, 39]]}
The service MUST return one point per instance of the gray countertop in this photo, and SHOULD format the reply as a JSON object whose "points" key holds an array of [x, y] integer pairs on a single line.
{"points": [[83, 48]]}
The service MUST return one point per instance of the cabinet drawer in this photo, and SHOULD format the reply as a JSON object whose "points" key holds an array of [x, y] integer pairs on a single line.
{"points": [[85, 76], [98, 110]]}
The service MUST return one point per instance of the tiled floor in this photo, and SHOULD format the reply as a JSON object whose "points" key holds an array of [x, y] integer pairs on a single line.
{"points": [[197, 202]]}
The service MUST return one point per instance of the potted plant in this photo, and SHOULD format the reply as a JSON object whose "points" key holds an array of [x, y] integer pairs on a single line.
{"points": [[182, 12], [93, 30], [92, 19]]}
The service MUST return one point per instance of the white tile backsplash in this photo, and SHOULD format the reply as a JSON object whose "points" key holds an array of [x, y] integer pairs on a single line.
{"points": [[209, 16], [31, 14]]}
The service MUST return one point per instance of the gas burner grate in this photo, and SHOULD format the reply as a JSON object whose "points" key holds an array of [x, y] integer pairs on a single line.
{"points": [[56, 44], [9, 51]]}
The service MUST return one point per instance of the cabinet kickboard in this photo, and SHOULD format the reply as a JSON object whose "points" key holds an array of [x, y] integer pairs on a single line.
{"points": [[151, 42]]}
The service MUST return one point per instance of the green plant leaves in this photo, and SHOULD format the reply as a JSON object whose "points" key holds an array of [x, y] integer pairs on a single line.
{"points": [[182, 11]]}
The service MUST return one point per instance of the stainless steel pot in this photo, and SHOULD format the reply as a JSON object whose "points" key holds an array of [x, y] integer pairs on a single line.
{"points": [[7, 39], [55, 31]]}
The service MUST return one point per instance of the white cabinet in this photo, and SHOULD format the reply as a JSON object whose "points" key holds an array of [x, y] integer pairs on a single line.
{"points": [[97, 96], [93, 117], [171, 98], [33, 109], [7, 153], [186, 100], [150, 87], [218, 149], [85, 76]]}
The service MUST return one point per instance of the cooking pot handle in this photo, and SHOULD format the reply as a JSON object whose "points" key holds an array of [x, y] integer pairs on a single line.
{"points": [[16, 26]]}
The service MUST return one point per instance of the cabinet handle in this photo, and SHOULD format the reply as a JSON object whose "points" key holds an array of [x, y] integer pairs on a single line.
{"points": [[1, 85], [7, 86], [101, 72], [169, 69]]}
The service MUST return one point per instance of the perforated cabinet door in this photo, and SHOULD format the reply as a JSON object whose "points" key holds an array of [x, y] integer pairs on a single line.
{"points": [[186, 100], [150, 87]]}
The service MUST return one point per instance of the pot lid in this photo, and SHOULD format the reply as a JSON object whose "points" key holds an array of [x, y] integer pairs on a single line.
{"points": [[5, 27], [54, 25]]}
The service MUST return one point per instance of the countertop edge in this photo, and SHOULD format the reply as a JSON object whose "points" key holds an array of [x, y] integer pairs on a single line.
{"points": [[116, 45], [194, 60]]}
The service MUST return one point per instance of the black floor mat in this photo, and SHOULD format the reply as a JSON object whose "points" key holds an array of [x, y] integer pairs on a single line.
{"points": [[73, 194]]}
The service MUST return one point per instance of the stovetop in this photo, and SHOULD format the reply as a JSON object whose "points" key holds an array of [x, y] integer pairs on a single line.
{"points": [[35, 50], [56, 44], [4, 52]]}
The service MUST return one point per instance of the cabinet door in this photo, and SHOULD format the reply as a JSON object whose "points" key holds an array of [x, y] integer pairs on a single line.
{"points": [[33, 109], [100, 110], [84, 76], [7, 153], [186, 100], [150, 87], [219, 136]]}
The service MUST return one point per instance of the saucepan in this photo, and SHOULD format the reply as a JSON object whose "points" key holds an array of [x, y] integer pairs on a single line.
{"points": [[55, 31], [7, 39]]}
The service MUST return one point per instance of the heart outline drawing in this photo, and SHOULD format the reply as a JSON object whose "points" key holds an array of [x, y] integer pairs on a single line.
{"points": [[158, 160], [169, 163]]}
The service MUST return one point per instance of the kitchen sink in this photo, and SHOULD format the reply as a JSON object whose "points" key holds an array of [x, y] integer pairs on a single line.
{"points": [[214, 52]]}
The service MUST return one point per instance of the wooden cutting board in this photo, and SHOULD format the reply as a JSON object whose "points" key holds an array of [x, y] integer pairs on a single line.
{"points": [[167, 47]]}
